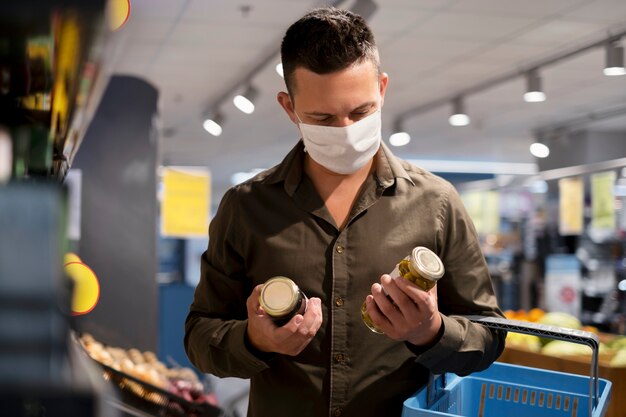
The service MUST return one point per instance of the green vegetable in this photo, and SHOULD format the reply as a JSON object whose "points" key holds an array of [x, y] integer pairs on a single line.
{"points": [[618, 342], [619, 359], [563, 348], [560, 320]]}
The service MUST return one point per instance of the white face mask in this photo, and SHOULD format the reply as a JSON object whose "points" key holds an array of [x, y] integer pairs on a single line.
{"points": [[343, 150]]}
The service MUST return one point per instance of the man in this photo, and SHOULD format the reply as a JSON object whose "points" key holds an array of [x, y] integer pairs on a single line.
{"points": [[335, 216]]}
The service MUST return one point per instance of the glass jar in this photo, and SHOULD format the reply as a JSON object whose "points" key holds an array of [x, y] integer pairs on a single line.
{"points": [[281, 299], [422, 267]]}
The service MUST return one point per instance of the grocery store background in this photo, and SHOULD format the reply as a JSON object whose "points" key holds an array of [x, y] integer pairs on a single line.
{"points": [[552, 222], [201, 54]]}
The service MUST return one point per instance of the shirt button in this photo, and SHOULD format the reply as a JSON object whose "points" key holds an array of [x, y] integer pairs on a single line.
{"points": [[337, 412], [340, 358], [339, 302], [339, 249]]}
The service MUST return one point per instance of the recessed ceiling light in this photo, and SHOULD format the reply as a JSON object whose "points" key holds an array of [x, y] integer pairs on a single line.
{"points": [[279, 69], [614, 60], [245, 101], [458, 117], [399, 139], [534, 93], [539, 150]]}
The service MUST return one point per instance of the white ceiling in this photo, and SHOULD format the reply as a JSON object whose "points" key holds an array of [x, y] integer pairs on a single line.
{"points": [[195, 51]]}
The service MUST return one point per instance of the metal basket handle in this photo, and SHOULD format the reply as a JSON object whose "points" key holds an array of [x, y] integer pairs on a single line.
{"points": [[552, 332]]}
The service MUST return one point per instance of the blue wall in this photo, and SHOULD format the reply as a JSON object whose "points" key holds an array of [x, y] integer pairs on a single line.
{"points": [[174, 301]]}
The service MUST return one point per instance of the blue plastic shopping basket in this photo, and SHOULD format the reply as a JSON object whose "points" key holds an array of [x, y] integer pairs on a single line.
{"points": [[505, 390]]}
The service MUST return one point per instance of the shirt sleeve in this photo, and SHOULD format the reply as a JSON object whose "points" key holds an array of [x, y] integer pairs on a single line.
{"points": [[215, 328], [465, 289]]}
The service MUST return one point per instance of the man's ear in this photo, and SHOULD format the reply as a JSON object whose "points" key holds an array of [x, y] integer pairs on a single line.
{"points": [[382, 82], [285, 102]]}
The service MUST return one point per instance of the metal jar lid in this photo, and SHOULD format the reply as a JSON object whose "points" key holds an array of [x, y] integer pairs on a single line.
{"points": [[279, 296], [426, 263]]}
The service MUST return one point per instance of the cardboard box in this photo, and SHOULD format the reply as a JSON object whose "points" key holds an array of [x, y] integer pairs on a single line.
{"points": [[576, 365]]}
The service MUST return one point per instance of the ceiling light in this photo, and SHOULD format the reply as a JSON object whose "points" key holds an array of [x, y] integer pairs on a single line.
{"points": [[539, 150], [400, 139], [614, 59], [534, 93], [245, 101], [213, 125], [458, 117], [279, 69]]}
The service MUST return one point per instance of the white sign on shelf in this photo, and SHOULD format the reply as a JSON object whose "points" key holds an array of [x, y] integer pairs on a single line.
{"points": [[563, 284]]}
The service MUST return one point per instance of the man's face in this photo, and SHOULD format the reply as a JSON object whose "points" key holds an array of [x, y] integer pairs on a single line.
{"points": [[336, 99]]}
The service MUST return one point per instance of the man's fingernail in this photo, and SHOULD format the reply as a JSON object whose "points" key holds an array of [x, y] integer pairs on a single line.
{"points": [[298, 320]]}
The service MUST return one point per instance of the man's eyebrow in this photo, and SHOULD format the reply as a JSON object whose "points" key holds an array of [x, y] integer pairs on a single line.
{"points": [[361, 107], [316, 113]]}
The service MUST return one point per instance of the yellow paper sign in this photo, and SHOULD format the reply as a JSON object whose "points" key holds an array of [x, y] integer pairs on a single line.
{"points": [[185, 202], [571, 194], [603, 200], [484, 210]]}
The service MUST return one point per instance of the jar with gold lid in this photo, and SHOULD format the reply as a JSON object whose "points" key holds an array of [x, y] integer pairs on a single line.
{"points": [[422, 267], [281, 299]]}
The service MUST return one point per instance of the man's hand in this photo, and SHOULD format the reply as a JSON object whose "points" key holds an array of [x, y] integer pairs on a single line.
{"points": [[413, 318], [290, 339]]}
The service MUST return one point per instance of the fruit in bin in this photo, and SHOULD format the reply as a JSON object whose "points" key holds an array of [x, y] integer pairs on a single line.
{"points": [[192, 392], [515, 315], [523, 341], [591, 329], [619, 360], [618, 342], [136, 356], [145, 366], [535, 314], [127, 366], [150, 357], [563, 348], [532, 315], [561, 320], [558, 319], [509, 314]]}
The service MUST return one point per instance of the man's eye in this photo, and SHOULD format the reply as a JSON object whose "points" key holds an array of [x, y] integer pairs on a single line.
{"points": [[359, 114], [326, 119]]}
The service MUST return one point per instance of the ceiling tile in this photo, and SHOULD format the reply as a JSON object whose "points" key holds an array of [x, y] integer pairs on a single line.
{"points": [[559, 33], [602, 11], [462, 27], [528, 8], [156, 9]]}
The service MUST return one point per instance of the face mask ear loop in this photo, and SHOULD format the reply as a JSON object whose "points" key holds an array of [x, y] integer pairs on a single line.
{"points": [[298, 125], [297, 117]]}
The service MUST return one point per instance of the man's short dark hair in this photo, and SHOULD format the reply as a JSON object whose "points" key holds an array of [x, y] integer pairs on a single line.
{"points": [[326, 40]]}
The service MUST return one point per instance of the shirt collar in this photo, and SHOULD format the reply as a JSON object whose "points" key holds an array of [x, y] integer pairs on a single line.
{"points": [[290, 170], [389, 167]]}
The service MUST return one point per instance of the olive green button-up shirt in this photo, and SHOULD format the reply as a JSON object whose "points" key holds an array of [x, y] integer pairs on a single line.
{"points": [[276, 224]]}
